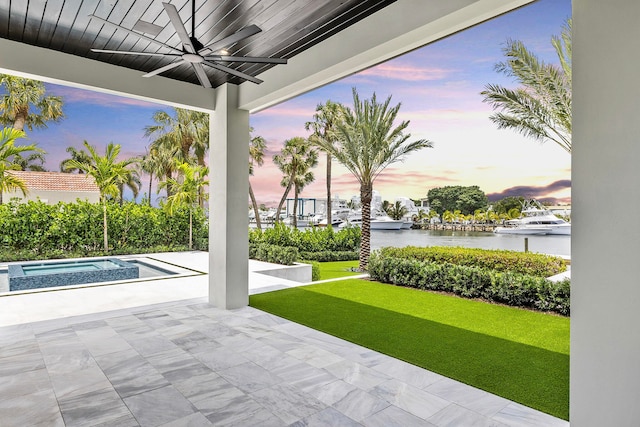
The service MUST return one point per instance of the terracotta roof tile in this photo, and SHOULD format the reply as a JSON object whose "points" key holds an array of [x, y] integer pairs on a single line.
{"points": [[56, 181]]}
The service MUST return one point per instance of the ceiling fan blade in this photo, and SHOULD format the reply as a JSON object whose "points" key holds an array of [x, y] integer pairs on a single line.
{"points": [[165, 68], [174, 17], [202, 75], [126, 52], [233, 72], [251, 59], [141, 36], [229, 40]]}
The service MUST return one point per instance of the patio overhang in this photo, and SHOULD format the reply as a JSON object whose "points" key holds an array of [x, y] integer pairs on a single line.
{"points": [[605, 339]]}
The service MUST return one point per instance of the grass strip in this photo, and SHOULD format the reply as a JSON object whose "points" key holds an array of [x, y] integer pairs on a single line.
{"points": [[337, 269], [517, 354]]}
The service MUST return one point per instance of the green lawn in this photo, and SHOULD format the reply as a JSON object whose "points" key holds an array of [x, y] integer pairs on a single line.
{"points": [[518, 354], [337, 269]]}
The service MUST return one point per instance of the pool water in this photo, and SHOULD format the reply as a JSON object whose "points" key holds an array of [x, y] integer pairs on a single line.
{"points": [[67, 267]]}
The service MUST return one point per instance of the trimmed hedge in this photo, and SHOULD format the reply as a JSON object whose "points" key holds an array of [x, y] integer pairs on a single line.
{"points": [[499, 260], [521, 290], [327, 256], [314, 239], [36, 230], [274, 253]]}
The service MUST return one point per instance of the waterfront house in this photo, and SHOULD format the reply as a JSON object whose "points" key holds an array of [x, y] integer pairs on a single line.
{"points": [[54, 187]]}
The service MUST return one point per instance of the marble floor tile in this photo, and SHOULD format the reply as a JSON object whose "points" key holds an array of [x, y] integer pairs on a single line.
{"points": [[21, 363], [62, 363], [187, 338], [239, 411], [203, 386], [411, 399], [159, 406], [130, 373], [314, 356], [517, 415], [193, 420], [287, 402], [78, 382], [358, 404], [249, 377], [330, 392], [103, 406], [177, 364], [24, 383], [475, 399], [407, 373], [150, 344], [357, 374], [392, 416], [219, 358], [239, 343], [105, 340], [329, 417], [36, 409], [455, 415]]}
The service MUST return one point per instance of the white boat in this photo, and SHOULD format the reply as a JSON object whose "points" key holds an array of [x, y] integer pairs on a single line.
{"points": [[536, 219], [380, 222]]}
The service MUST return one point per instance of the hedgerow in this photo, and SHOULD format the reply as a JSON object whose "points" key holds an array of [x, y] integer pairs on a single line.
{"points": [[499, 260], [36, 230], [506, 287]]}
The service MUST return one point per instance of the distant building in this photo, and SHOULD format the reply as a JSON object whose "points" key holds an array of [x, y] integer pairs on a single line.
{"points": [[54, 187]]}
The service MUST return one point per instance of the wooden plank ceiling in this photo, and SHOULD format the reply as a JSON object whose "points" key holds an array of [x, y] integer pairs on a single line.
{"points": [[288, 28]]}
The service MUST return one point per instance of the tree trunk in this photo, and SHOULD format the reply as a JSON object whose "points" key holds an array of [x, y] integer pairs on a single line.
{"points": [[150, 182], [366, 190], [328, 189], [284, 197], [21, 118], [190, 229], [295, 206], [104, 224], [255, 207]]}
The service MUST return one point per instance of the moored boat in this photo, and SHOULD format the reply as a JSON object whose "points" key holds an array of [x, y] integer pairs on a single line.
{"points": [[536, 219]]}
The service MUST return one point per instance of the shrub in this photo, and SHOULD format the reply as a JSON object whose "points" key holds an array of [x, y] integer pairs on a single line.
{"points": [[499, 260], [35, 230], [285, 255], [326, 256], [516, 289], [314, 239], [315, 270]]}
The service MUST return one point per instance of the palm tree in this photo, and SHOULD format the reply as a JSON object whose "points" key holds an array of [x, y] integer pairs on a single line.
{"points": [[79, 156], [186, 190], [25, 104], [541, 108], [33, 162], [368, 142], [256, 157], [108, 173], [294, 160], [8, 149], [131, 180], [327, 116], [396, 211]]}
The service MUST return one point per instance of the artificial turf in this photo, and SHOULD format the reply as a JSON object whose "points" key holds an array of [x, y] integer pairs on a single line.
{"points": [[517, 354], [337, 269]]}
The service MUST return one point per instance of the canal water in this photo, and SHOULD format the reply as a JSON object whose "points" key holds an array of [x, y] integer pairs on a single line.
{"points": [[553, 245]]}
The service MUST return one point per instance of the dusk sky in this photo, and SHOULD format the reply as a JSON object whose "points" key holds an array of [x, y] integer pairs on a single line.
{"points": [[439, 87]]}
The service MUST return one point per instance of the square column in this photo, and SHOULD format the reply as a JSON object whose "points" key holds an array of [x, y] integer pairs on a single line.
{"points": [[605, 293], [229, 189]]}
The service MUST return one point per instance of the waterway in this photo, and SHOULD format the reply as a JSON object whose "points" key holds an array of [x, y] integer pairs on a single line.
{"points": [[553, 245]]}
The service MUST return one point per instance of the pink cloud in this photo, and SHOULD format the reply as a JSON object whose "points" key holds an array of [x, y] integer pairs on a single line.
{"points": [[405, 72]]}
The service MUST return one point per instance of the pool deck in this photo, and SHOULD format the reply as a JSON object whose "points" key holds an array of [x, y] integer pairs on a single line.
{"points": [[155, 353]]}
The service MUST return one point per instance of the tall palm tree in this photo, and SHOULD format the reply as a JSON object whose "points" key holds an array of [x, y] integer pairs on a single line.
{"points": [[325, 119], [368, 142], [108, 173], [294, 160], [186, 190], [33, 162], [131, 180], [8, 149], [396, 211], [25, 103], [256, 157], [541, 107], [79, 156]]}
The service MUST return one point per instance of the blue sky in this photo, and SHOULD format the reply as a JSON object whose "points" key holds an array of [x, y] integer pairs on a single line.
{"points": [[438, 86]]}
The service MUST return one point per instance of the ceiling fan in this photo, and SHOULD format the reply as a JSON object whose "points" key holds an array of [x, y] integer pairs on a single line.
{"points": [[193, 52]]}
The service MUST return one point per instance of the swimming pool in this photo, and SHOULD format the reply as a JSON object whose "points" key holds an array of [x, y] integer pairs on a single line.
{"points": [[35, 275]]}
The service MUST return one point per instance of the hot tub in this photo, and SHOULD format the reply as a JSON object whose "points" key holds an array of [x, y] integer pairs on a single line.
{"points": [[64, 273]]}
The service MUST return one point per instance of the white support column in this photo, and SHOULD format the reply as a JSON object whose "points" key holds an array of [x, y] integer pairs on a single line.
{"points": [[605, 299], [229, 189]]}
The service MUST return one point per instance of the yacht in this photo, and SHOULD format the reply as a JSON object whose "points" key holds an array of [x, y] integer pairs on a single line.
{"points": [[536, 219]]}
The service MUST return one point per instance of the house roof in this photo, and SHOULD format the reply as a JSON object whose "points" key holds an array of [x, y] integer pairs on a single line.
{"points": [[57, 181]]}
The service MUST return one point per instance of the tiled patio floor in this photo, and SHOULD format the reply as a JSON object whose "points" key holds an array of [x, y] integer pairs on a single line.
{"points": [[187, 363]]}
